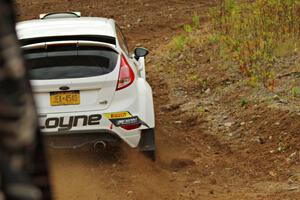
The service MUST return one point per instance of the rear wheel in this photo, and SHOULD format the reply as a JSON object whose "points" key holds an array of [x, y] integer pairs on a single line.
{"points": [[147, 143]]}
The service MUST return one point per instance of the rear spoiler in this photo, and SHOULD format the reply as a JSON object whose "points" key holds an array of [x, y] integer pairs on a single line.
{"points": [[59, 15], [45, 45], [93, 38]]}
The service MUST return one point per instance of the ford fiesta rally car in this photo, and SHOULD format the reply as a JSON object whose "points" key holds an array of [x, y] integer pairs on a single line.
{"points": [[88, 88]]}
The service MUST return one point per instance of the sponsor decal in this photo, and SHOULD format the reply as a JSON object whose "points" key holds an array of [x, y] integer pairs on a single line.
{"points": [[125, 121], [124, 118], [67, 123], [117, 115]]}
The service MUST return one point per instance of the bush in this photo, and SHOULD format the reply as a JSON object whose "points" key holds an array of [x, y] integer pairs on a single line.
{"points": [[249, 33]]}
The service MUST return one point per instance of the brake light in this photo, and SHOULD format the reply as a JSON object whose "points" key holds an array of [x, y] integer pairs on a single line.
{"points": [[126, 75], [131, 126]]}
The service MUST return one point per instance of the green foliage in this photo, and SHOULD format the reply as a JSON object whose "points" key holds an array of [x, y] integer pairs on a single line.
{"points": [[214, 38], [244, 102], [252, 81], [295, 91], [178, 43], [196, 21], [201, 109], [252, 34], [188, 28]]}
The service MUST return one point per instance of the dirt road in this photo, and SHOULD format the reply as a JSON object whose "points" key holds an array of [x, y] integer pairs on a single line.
{"points": [[193, 161]]}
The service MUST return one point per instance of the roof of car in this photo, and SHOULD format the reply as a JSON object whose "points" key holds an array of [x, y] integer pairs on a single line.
{"points": [[66, 27]]}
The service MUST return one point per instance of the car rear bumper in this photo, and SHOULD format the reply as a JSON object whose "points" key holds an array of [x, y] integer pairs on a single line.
{"points": [[77, 139]]}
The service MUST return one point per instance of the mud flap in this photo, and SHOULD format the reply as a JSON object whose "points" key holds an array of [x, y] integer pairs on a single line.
{"points": [[147, 143]]}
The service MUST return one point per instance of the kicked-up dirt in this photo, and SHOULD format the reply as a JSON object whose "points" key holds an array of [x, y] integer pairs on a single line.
{"points": [[229, 152]]}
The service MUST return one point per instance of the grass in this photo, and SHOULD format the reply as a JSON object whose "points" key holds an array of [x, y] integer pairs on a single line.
{"points": [[254, 35], [178, 43], [249, 42], [295, 91]]}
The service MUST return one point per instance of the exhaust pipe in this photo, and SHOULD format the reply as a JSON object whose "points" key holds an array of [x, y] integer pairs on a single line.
{"points": [[100, 145]]}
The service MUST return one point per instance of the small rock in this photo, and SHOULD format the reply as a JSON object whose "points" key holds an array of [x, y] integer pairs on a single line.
{"points": [[283, 101], [270, 137], [277, 123], [139, 20], [129, 192], [181, 56], [196, 182], [259, 140], [291, 181], [272, 173], [207, 91], [228, 124], [225, 117], [178, 122], [242, 123], [292, 188], [181, 163], [293, 155], [276, 98], [170, 107]]}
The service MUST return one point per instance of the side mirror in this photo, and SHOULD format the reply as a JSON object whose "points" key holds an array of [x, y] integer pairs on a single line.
{"points": [[140, 52]]}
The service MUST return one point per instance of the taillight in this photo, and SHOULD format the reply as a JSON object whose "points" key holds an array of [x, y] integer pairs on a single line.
{"points": [[131, 126], [126, 75]]}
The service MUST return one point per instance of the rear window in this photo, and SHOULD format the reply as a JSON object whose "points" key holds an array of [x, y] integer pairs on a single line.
{"points": [[64, 62]]}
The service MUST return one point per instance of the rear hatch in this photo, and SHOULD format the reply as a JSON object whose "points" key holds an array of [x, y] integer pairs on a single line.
{"points": [[72, 76]]}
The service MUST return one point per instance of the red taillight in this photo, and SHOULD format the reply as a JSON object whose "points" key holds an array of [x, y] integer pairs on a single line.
{"points": [[126, 75], [131, 127]]}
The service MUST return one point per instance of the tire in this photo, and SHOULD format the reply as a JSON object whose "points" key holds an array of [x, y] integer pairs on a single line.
{"points": [[150, 154]]}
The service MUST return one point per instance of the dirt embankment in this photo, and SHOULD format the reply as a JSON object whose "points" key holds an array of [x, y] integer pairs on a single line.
{"points": [[228, 152]]}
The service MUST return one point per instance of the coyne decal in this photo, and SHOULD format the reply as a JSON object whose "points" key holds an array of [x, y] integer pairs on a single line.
{"points": [[73, 121]]}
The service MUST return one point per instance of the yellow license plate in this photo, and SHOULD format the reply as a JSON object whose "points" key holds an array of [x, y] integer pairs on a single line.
{"points": [[64, 98]]}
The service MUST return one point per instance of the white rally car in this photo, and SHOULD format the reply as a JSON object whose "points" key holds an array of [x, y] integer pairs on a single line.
{"points": [[88, 88]]}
